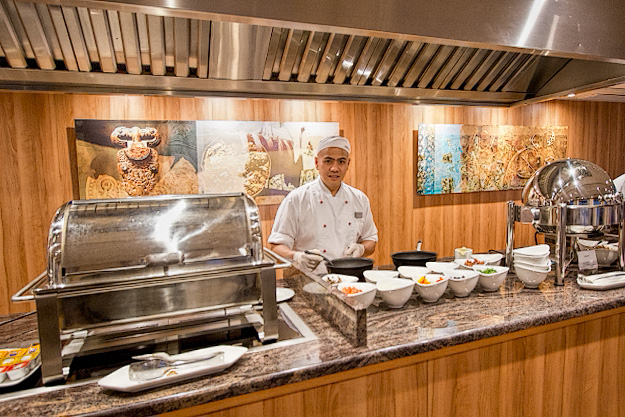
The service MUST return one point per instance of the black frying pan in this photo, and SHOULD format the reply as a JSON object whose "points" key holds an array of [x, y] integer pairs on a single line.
{"points": [[413, 257], [348, 266]]}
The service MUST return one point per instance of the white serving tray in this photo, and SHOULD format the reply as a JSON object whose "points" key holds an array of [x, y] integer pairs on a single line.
{"points": [[9, 383], [608, 282], [120, 381]]}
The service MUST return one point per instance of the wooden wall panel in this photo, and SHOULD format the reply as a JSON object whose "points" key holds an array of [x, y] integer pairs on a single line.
{"points": [[36, 176]]}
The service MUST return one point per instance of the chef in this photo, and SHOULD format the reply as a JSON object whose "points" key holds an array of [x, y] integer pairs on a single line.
{"points": [[325, 216]]}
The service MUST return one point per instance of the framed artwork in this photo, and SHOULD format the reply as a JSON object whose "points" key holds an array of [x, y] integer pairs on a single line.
{"points": [[122, 158], [455, 158]]}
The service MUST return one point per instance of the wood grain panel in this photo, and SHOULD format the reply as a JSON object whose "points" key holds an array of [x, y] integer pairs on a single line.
{"points": [[36, 171]]}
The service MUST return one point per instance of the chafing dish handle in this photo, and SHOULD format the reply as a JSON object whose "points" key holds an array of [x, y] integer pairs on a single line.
{"points": [[284, 263], [19, 295]]}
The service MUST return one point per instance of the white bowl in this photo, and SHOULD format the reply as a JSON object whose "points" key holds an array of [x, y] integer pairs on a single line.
{"points": [[468, 263], [338, 278], [367, 294], [489, 258], [373, 275], [530, 277], [539, 263], [430, 293], [462, 282], [536, 250], [440, 267], [413, 272], [526, 265], [395, 291], [606, 257], [491, 282], [542, 259]]}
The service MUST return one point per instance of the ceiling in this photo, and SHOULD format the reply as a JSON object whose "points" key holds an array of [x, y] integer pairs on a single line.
{"points": [[296, 50]]}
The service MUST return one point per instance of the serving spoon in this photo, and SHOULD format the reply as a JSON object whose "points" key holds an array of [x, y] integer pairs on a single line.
{"points": [[156, 365]]}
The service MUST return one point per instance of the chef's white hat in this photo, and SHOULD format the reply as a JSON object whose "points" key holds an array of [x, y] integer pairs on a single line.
{"points": [[334, 142]]}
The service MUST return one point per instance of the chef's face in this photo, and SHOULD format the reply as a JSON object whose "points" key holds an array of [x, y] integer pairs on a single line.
{"points": [[332, 164]]}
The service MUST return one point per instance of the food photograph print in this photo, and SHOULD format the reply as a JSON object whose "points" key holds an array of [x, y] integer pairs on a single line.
{"points": [[455, 158]]}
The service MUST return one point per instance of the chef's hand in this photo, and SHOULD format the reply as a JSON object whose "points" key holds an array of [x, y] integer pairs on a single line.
{"points": [[355, 250], [307, 260]]}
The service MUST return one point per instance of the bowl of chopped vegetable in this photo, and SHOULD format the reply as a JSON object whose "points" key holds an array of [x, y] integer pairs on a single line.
{"points": [[491, 277], [363, 292], [462, 282], [431, 286]]}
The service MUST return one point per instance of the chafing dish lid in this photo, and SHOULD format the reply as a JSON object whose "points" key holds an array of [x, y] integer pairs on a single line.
{"points": [[569, 181], [130, 233]]}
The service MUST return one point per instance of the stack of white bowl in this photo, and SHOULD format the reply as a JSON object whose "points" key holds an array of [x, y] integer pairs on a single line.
{"points": [[532, 264]]}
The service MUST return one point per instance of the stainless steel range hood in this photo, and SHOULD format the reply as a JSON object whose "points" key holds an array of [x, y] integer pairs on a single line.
{"points": [[444, 52]]}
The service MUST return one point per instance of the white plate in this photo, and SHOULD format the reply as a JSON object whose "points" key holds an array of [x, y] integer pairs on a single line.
{"points": [[8, 383], [284, 294], [599, 286], [120, 381]]}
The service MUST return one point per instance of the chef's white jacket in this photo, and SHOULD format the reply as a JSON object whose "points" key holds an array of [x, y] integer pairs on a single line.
{"points": [[310, 217]]}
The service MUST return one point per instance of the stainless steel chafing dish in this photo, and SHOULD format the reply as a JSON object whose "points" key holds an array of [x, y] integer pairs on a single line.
{"points": [[568, 198], [132, 271]]}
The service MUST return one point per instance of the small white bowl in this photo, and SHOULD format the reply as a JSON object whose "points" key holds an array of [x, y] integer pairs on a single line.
{"points": [[373, 275], [531, 266], [536, 250], [395, 291], [367, 294], [335, 279], [542, 259], [531, 278], [462, 282], [606, 257], [491, 282], [440, 267], [413, 272], [489, 258], [468, 263], [540, 263], [430, 293]]}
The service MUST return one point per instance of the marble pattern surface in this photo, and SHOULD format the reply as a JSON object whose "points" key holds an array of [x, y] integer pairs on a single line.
{"points": [[391, 334]]}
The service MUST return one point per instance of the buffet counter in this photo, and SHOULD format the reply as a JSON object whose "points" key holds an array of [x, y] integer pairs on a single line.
{"points": [[547, 351]]}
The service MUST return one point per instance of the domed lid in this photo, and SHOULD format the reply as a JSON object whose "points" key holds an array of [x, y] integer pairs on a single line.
{"points": [[570, 181]]}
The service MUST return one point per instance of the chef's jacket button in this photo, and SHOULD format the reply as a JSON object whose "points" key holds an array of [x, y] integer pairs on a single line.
{"points": [[324, 225], [349, 224], [321, 201], [324, 251], [345, 201]]}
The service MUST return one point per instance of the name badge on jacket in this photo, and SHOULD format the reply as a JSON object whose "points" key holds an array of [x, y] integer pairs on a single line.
{"points": [[358, 214]]}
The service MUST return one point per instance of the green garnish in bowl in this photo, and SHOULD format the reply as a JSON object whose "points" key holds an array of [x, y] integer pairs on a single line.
{"points": [[488, 271]]}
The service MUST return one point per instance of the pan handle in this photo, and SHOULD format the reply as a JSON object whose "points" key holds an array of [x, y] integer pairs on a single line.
{"points": [[283, 262], [19, 296]]}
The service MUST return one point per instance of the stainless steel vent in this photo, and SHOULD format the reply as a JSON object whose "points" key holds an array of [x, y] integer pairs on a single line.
{"points": [[86, 45]]}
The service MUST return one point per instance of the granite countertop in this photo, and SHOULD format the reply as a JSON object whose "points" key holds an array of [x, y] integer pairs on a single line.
{"points": [[391, 333]]}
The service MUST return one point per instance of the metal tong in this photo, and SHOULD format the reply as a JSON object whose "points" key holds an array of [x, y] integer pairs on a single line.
{"points": [[156, 365]]}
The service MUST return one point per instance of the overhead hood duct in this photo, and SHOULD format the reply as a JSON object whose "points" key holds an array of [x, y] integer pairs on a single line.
{"points": [[206, 48]]}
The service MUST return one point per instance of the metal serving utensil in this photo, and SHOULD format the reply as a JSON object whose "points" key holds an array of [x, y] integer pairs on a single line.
{"points": [[158, 364], [325, 258]]}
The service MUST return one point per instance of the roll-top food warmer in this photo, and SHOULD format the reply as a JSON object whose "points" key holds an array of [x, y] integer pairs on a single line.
{"points": [[126, 272], [569, 198]]}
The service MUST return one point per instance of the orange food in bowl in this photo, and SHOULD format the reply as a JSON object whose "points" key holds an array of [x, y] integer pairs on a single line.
{"points": [[350, 290]]}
